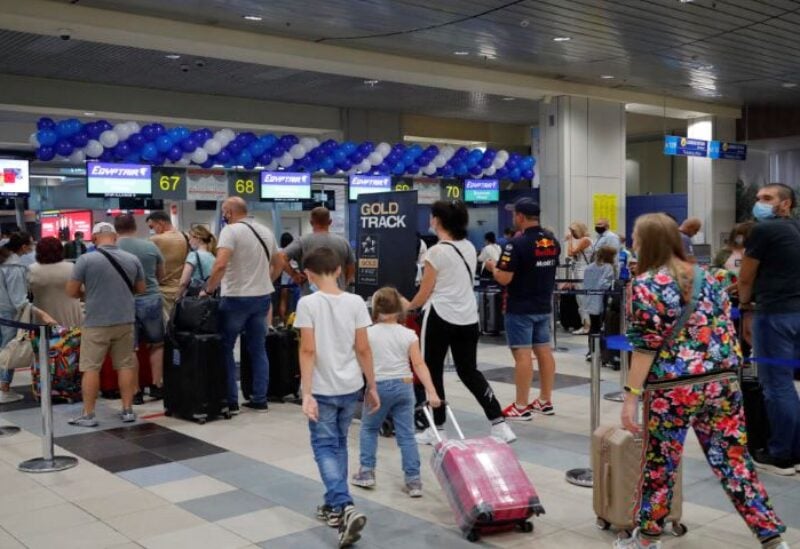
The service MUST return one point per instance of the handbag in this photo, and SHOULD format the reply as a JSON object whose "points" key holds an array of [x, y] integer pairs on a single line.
{"points": [[198, 315], [18, 353], [196, 286]]}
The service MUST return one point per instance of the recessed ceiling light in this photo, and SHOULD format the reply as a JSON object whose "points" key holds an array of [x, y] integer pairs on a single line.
{"points": [[461, 53], [173, 56], [686, 1], [524, 23], [88, 114], [562, 39], [607, 77], [371, 82], [789, 85], [252, 17], [509, 99]]}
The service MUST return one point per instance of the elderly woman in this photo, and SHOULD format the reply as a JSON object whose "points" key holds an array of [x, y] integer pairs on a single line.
{"points": [[684, 364], [48, 281]]}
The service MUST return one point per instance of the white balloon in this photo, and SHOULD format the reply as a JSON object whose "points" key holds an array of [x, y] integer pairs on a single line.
{"points": [[93, 149], [430, 169], [286, 160], [490, 171], [383, 148], [229, 134], [33, 140], [307, 143], [439, 160], [447, 152], [212, 146], [375, 158], [314, 143], [109, 139], [364, 166], [498, 163], [122, 131], [183, 162], [502, 155], [199, 156], [352, 171], [77, 156], [134, 127], [297, 151], [221, 138], [273, 165]]}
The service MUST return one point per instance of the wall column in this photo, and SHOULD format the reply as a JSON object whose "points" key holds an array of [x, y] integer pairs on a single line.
{"points": [[582, 155]]}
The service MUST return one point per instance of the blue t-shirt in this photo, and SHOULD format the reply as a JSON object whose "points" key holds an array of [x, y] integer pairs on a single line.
{"points": [[206, 264], [533, 258]]}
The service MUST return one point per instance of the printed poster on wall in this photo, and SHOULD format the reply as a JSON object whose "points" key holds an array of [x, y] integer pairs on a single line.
{"points": [[204, 184], [386, 253], [604, 206]]}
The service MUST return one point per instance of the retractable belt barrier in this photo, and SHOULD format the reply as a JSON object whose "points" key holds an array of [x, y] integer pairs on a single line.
{"points": [[49, 462]]}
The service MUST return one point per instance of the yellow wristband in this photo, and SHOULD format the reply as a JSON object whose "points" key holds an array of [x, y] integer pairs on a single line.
{"points": [[635, 392]]}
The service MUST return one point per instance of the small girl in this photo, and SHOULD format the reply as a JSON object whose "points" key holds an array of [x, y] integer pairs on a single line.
{"points": [[393, 345], [598, 276]]}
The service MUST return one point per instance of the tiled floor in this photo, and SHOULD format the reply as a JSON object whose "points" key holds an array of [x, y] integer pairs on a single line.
{"points": [[252, 481]]}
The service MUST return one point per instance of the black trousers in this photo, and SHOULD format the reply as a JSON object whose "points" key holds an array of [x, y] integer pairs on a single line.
{"points": [[438, 336]]}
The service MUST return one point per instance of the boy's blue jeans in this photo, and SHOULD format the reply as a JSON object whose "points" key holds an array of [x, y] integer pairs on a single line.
{"points": [[397, 401], [329, 444]]}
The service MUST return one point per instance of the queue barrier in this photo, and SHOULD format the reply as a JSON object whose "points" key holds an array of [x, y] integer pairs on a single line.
{"points": [[49, 462]]}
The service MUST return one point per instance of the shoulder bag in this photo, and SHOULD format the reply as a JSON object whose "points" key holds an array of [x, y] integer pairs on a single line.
{"points": [[18, 353], [119, 269], [466, 265], [195, 286]]}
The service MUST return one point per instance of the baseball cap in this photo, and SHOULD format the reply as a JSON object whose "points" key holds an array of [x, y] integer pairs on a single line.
{"points": [[526, 206], [103, 227]]}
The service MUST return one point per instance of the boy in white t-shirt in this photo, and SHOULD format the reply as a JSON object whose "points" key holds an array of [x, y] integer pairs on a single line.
{"points": [[333, 343], [394, 346]]}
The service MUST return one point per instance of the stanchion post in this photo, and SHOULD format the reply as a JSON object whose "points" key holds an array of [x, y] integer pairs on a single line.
{"points": [[49, 462], [584, 477]]}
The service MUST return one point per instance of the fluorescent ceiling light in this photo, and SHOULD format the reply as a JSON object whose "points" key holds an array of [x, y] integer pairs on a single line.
{"points": [[252, 17], [509, 99], [88, 114], [607, 77], [173, 56], [562, 39], [371, 82], [461, 53], [789, 85]]}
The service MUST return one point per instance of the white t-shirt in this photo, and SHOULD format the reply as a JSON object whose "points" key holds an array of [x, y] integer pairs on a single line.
{"points": [[247, 274], [453, 294], [390, 343], [490, 251], [335, 319]]}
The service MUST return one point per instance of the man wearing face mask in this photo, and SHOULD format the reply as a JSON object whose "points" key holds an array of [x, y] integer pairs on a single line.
{"points": [[605, 237], [769, 285]]}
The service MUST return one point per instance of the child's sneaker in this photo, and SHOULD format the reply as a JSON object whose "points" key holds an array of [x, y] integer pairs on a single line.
{"points": [[503, 432], [351, 526], [85, 420], [428, 436], [127, 416], [636, 542], [329, 515], [514, 413], [413, 488], [544, 408], [364, 479]]}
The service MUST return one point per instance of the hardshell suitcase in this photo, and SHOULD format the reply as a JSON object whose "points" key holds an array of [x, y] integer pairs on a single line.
{"points": [[617, 471], [283, 346], [490, 310], [63, 357], [484, 482], [195, 380], [109, 384]]}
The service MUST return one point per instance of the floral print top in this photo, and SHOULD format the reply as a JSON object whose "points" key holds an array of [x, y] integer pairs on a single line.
{"points": [[707, 344]]}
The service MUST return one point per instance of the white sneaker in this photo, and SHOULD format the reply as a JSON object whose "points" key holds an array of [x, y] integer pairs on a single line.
{"points": [[580, 332], [503, 432], [428, 436], [7, 397], [635, 542]]}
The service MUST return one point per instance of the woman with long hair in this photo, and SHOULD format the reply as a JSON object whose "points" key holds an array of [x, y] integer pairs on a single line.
{"points": [[200, 260], [450, 320], [579, 250], [684, 365]]}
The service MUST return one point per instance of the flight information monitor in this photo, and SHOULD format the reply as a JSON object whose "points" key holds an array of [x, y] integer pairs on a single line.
{"points": [[367, 184], [482, 190], [106, 179], [15, 180], [285, 186]]}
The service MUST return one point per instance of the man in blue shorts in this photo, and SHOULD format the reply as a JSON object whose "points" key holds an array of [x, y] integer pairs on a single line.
{"points": [[527, 268]]}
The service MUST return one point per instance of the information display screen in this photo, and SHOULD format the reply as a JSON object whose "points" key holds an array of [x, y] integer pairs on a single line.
{"points": [[285, 186], [64, 225], [118, 179], [14, 177], [367, 184], [482, 190]]}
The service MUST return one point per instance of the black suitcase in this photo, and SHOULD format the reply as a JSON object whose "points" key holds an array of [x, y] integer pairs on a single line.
{"points": [[490, 310], [195, 381], [568, 314], [284, 366], [612, 325]]}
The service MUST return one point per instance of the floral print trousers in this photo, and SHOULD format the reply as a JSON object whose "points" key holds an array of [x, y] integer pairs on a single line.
{"points": [[714, 410]]}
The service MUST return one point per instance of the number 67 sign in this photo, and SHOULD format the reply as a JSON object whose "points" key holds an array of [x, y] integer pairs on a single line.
{"points": [[169, 183]]}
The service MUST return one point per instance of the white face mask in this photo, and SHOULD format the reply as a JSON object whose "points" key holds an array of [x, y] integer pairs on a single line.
{"points": [[151, 232]]}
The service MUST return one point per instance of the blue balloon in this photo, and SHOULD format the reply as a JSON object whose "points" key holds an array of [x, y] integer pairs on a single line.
{"points": [[45, 123], [408, 158], [122, 150], [163, 143], [399, 169], [515, 175], [149, 133], [175, 153], [175, 135], [105, 124], [208, 163], [326, 164], [257, 148], [461, 170], [269, 141], [471, 162], [448, 171], [365, 148], [339, 156], [159, 129], [357, 158], [244, 157], [264, 159], [184, 133], [527, 174], [189, 145], [331, 171], [475, 170], [133, 158], [285, 142], [485, 162], [413, 169], [234, 147], [45, 153], [490, 153], [249, 165], [344, 166], [136, 140], [278, 150], [223, 157], [63, 128], [501, 173], [80, 139], [47, 137], [149, 151], [107, 156]]}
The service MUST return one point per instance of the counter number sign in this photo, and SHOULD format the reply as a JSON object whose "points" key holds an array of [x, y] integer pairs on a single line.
{"points": [[169, 183], [245, 185], [452, 190]]}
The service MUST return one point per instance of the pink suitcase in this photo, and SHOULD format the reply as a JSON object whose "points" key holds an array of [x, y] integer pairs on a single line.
{"points": [[486, 486]]}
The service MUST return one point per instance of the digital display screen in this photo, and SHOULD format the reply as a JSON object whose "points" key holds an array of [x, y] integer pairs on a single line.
{"points": [[64, 225], [367, 184], [106, 179], [15, 180], [285, 186], [482, 190]]}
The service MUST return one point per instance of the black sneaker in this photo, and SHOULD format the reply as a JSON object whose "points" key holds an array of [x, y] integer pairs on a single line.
{"points": [[329, 516], [351, 526], [233, 409], [156, 393], [764, 461], [138, 398], [257, 406]]}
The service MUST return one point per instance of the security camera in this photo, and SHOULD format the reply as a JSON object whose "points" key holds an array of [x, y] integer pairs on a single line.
{"points": [[184, 68], [65, 34], [199, 63]]}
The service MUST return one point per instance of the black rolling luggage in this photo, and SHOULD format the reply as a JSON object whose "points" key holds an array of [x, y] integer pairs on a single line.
{"points": [[195, 381], [284, 366], [490, 310], [568, 314], [612, 325]]}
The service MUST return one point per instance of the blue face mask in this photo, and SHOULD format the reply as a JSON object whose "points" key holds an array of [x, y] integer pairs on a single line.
{"points": [[763, 211], [313, 287]]}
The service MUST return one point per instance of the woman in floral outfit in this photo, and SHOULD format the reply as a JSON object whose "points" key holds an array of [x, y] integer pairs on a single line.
{"points": [[690, 380]]}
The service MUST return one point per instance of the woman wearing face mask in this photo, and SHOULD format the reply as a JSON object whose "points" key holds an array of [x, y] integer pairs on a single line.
{"points": [[199, 261], [730, 257], [579, 249]]}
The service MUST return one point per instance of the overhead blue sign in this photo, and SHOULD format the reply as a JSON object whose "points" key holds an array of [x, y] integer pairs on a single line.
{"points": [[727, 151], [675, 145]]}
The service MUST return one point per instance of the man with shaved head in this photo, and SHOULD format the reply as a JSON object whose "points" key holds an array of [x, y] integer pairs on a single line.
{"points": [[246, 265], [689, 229]]}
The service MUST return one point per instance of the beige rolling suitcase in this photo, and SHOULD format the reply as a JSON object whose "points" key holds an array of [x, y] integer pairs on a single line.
{"points": [[616, 467]]}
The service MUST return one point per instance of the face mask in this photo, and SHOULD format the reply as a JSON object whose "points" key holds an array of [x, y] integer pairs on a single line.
{"points": [[151, 232], [432, 231], [600, 230], [763, 211], [313, 287], [739, 240]]}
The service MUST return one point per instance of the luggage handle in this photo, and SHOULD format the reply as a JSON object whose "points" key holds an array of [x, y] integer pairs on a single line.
{"points": [[425, 407]]}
